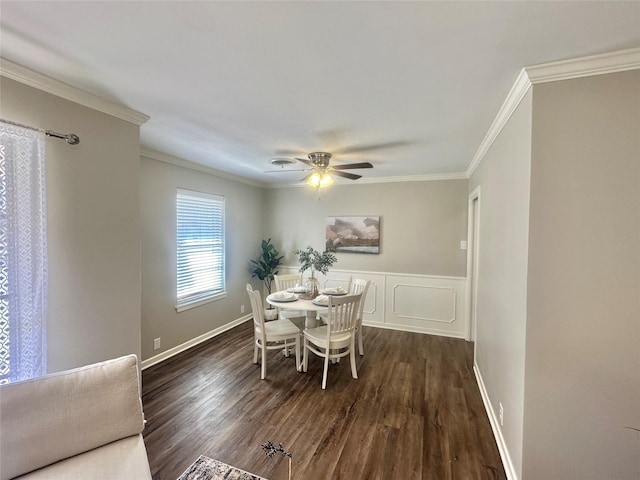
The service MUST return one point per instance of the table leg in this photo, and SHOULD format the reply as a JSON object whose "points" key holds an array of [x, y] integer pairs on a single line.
{"points": [[310, 321]]}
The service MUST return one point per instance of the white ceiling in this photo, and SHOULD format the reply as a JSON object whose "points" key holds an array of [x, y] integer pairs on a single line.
{"points": [[411, 87]]}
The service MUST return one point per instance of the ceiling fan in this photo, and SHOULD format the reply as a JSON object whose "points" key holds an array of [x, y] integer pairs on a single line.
{"points": [[321, 172]]}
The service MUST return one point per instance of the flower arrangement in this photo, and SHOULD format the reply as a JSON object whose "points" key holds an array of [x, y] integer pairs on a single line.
{"points": [[270, 450], [316, 261]]}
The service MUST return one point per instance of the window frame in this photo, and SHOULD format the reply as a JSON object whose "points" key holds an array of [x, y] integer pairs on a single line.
{"points": [[217, 246]]}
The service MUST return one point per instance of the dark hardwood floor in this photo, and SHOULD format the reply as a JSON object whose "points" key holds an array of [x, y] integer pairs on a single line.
{"points": [[415, 411]]}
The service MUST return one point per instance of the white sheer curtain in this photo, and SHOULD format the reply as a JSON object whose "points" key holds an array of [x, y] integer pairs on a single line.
{"points": [[23, 254]]}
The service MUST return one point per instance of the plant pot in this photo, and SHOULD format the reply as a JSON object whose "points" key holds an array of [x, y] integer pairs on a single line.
{"points": [[270, 313]]}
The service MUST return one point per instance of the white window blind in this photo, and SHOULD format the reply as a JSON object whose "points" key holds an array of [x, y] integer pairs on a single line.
{"points": [[200, 248]]}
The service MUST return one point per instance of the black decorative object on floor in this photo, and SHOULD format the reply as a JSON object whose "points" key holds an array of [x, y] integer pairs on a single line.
{"points": [[270, 450]]}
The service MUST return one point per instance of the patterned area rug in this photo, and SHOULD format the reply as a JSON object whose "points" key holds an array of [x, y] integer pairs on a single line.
{"points": [[205, 468]]}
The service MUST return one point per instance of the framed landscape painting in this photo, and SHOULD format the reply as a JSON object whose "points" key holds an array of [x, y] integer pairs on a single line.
{"points": [[353, 234]]}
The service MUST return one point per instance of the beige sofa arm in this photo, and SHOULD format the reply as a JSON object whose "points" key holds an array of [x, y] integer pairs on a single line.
{"points": [[57, 416]]}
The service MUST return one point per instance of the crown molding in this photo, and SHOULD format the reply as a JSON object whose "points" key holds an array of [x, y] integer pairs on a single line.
{"points": [[370, 180], [612, 62], [415, 178], [180, 162], [55, 87], [515, 96]]}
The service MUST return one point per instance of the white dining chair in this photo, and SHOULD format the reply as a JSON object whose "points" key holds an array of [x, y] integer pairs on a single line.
{"points": [[356, 286], [274, 335], [284, 282], [360, 286], [323, 316], [336, 339]]}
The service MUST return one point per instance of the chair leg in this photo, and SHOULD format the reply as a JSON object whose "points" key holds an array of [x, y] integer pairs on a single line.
{"points": [[255, 350], [305, 358], [264, 363], [352, 354], [360, 347], [326, 368], [298, 365], [285, 352]]}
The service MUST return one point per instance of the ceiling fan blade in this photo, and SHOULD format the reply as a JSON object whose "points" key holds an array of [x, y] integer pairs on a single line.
{"points": [[372, 147], [352, 165], [350, 176], [282, 170], [311, 164]]}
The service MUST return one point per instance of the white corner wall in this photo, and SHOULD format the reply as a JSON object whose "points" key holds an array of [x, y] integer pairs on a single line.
{"points": [[504, 177], [582, 379]]}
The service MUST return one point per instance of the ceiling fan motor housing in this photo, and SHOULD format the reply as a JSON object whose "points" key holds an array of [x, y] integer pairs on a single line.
{"points": [[320, 159]]}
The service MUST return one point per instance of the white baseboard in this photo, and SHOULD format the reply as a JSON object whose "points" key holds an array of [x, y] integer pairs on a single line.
{"points": [[497, 431], [191, 343], [406, 328]]}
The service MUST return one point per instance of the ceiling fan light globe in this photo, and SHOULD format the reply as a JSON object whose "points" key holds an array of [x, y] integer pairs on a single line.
{"points": [[326, 180], [314, 180]]}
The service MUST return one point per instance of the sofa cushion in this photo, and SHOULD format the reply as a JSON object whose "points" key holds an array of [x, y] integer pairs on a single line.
{"points": [[48, 419], [122, 460]]}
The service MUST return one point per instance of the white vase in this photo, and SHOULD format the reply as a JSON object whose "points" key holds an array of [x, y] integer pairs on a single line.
{"points": [[311, 287]]}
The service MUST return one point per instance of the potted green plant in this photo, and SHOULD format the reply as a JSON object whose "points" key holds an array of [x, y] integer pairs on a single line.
{"points": [[316, 262], [264, 268]]}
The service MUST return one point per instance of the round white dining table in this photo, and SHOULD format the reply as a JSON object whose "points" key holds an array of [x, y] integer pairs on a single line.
{"points": [[310, 308]]}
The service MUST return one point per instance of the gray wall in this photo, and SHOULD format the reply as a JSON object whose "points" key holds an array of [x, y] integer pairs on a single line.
{"points": [[583, 328], [503, 177], [422, 224], [558, 308], [244, 229], [93, 227]]}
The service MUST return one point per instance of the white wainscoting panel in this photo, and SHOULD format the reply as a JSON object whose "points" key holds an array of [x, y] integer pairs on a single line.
{"points": [[415, 303], [374, 302], [426, 304]]}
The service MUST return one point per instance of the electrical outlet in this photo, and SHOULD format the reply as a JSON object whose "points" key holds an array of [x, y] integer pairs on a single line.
{"points": [[156, 343], [463, 245], [241, 308], [501, 414]]}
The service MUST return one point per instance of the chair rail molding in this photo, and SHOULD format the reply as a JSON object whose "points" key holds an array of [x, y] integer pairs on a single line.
{"points": [[430, 304]]}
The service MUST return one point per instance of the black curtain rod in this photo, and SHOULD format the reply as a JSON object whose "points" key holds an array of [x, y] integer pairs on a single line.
{"points": [[70, 138]]}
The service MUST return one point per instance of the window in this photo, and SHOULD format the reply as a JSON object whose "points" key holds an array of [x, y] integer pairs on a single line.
{"points": [[200, 248], [23, 254]]}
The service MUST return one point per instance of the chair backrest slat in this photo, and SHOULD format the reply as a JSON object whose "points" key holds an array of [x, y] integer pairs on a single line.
{"points": [[343, 313], [360, 286], [286, 281]]}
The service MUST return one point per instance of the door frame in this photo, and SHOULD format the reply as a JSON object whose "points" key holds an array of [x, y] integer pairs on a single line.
{"points": [[473, 243]]}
